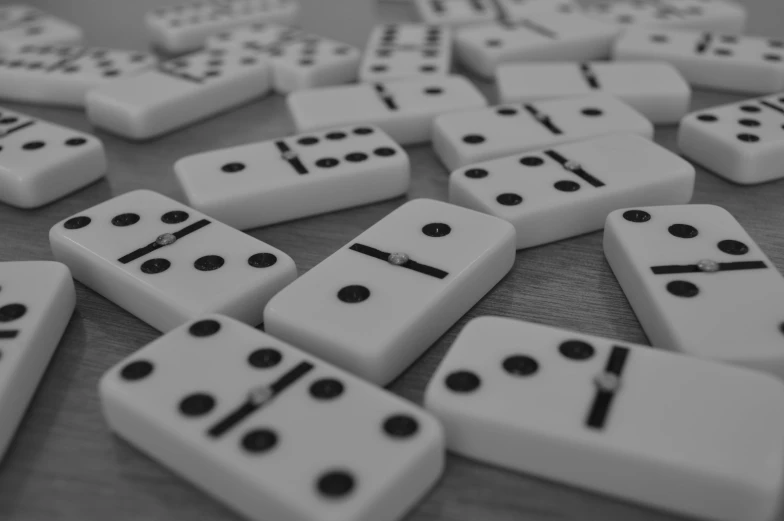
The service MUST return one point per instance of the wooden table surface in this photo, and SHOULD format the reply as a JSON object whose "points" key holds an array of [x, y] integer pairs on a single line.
{"points": [[65, 464]]}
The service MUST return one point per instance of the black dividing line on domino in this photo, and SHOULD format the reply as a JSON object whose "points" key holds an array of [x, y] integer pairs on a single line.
{"points": [[180, 75], [407, 46], [65, 61], [256, 46], [674, 269], [703, 43], [17, 128], [388, 100], [258, 398], [574, 168], [771, 106], [288, 155], [607, 384], [158, 243], [9, 333], [538, 29], [408, 264], [541, 118], [277, 45], [589, 75]]}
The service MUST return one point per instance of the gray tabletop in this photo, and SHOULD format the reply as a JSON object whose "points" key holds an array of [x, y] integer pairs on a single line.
{"points": [[65, 464]]}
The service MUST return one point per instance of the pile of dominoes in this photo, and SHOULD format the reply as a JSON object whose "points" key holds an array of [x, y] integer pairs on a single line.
{"points": [[293, 423]]}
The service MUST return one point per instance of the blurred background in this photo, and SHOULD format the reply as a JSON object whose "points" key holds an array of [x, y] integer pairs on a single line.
{"points": [[119, 23]]}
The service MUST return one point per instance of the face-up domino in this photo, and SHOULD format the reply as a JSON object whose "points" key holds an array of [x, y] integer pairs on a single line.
{"points": [[541, 37], [400, 50], [722, 62], [552, 194], [655, 89], [41, 161], [704, 15], [404, 109], [706, 439], [167, 263], [185, 27], [512, 10], [288, 178], [63, 75], [379, 302], [36, 302], [471, 136], [270, 430], [456, 12], [178, 92], [742, 142], [699, 284], [298, 60], [21, 25]]}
